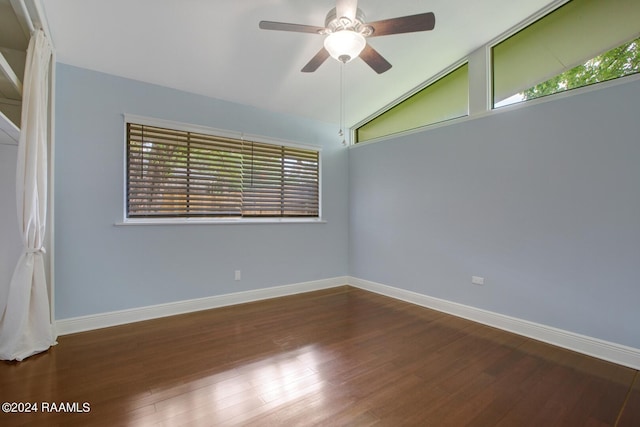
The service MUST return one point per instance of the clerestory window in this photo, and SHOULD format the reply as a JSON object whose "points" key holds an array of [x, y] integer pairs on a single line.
{"points": [[581, 43]]}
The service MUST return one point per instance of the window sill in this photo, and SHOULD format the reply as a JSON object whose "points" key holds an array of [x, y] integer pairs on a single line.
{"points": [[210, 221]]}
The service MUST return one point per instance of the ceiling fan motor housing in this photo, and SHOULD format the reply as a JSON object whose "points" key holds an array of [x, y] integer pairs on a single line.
{"points": [[333, 23]]}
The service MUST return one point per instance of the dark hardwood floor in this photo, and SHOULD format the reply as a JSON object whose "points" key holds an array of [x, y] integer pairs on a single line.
{"points": [[336, 357]]}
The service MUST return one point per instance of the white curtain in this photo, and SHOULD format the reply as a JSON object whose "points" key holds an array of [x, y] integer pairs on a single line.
{"points": [[25, 325]]}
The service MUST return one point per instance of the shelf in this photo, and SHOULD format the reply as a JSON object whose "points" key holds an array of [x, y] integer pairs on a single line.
{"points": [[14, 39], [9, 132]]}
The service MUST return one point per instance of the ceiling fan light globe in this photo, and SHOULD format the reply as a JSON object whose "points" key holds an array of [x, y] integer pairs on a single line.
{"points": [[344, 45]]}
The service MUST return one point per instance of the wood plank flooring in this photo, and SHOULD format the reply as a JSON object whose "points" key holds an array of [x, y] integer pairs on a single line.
{"points": [[338, 357]]}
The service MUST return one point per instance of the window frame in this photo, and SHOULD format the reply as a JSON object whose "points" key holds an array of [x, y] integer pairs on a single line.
{"points": [[186, 127], [541, 15], [481, 90], [416, 91]]}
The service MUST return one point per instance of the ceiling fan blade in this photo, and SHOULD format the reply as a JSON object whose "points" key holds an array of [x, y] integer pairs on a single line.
{"points": [[283, 26], [375, 60], [316, 61], [346, 8], [404, 24]]}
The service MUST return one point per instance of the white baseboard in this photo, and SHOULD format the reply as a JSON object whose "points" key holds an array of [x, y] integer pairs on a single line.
{"points": [[612, 352], [114, 318], [616, 353]]}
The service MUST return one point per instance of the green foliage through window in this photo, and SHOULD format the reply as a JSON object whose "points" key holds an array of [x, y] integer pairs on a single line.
{"points": [[582, 42], [622, 61]]}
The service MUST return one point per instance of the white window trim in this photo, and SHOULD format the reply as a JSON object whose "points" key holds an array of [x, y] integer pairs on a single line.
{"points": [[480, 82], [213, 221], [187, 127], [415, 90], [480, 85], [511, 107]]}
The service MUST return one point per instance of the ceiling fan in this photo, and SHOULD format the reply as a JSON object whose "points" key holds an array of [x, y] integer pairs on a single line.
{"points": [[345, 29]]}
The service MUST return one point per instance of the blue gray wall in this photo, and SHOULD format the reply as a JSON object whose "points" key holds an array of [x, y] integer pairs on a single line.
{"points": [[542, 201], [101, 267], [10, 239]]}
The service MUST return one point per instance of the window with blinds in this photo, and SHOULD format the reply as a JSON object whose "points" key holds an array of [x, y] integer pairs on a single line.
{"points": [[182, 174]]}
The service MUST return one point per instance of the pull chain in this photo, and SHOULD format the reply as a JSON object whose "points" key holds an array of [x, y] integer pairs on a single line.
{"points": [[342, 104]]}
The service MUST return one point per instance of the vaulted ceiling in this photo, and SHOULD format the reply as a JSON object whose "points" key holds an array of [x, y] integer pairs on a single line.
{"points": [[215, 48]]}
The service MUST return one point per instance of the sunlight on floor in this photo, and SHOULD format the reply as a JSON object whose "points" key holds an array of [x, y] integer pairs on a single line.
{"points": [[243, 391]]}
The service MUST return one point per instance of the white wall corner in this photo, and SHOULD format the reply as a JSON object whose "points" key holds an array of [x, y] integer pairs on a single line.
{"points": [[612, 352], [114, 318]]}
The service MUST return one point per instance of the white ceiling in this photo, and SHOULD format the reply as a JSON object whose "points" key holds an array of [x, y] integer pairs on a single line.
{"points": [[214, 47]]}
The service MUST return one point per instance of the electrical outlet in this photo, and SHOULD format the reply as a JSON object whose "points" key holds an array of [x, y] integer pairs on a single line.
{"points": [[477, 280], [238, 275]]}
